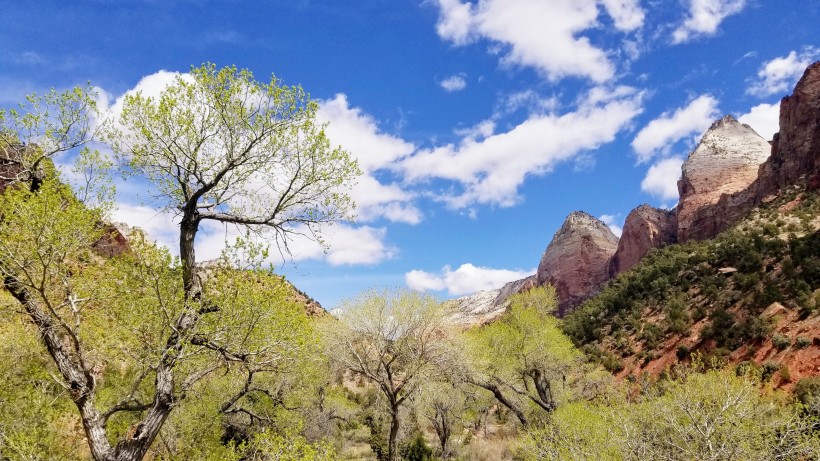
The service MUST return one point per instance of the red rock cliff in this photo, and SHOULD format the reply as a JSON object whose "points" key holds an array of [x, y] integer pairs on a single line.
{"points": [[576, 262], [645, 228]]}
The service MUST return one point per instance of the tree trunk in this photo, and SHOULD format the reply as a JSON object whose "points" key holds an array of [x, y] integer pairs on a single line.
{"points": [[441, 424], [544, 389], [503, 400], [392, 453]]}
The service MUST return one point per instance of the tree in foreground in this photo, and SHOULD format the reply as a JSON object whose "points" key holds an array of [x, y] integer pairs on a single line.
{"points": [[524, 359], [217, 145], [397, 340], [716, 415]]}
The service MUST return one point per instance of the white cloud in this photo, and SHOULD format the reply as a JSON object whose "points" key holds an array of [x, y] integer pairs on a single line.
{"points": [[627, 14], [780, 74], [350, 245], [614, 223], [359, 134], [764, 119], [151, 86], [467, 279], [161, 226], [454, 83], [544, 35], [705, 17], [482, 129], [659, 134], [491, 170], [455, 21], [345, 245], [662, 179], [527, 99]]}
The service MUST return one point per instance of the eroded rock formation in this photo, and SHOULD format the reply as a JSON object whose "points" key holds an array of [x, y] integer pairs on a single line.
{"points": [[645, 228], [725, 162], [796, 148], [795, 154], [576, 261]]}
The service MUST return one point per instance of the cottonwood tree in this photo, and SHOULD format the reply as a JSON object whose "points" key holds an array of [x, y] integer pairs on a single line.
{"points": [[523, 359], [715, 415], [397, 340], [216, 145], [442, 404], [35, 131]]}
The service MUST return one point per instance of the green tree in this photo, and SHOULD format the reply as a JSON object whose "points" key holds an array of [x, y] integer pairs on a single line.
{"points": [[715, 415], [219, 146], [397, 340], [524, 358]]}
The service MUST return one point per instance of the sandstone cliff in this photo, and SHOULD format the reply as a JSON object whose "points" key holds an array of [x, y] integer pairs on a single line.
{"points": [[645, 228], [576, 262], [725, 162], [795, 154], [796, 148]]}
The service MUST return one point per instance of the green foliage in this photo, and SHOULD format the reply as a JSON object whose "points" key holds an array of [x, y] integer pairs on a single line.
{"points": [[682, 352], [713, 415], [802, 342], [807, 390], [526, 341], [768, 369], [247, 152], [781, 342], [416, 449]]}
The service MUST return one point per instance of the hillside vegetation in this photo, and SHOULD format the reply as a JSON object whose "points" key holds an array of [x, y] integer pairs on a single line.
{"points": [[751, 294]]}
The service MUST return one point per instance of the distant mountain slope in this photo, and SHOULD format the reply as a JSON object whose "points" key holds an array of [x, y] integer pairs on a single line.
{"points": [[751, 294]]}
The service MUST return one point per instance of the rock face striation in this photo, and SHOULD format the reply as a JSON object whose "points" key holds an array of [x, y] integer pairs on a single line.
{"points": [[576, 262], [725, 161], [645, 228], [795, 154], [796, 148]]}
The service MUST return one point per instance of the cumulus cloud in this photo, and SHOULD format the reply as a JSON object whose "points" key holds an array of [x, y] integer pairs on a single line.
{"points": [[661, 180], [780, 74], [346, 244], [659, 134], [545, 35], [615, 223], [627, 14], [705, 17], [341, 244], [359, 134], [453, 83], [160, 225], [764, 119], [467, 279], [491, 170], [481, 129]]}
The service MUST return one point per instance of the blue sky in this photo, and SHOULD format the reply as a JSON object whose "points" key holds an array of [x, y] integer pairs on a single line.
{"points": [[480, 125]]}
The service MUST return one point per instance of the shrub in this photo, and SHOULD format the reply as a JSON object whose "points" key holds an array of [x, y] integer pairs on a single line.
{"points": [[785, 374], [807, 390], [416, 449], [683, 352], [769, 369], [781, 342], [802, 342]]}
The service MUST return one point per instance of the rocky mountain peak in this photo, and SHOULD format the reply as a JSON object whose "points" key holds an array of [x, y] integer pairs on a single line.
{"points": [[725, 161], [645, 228], [576, 260]]}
